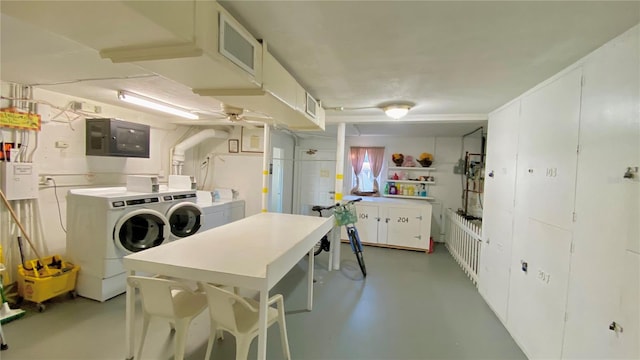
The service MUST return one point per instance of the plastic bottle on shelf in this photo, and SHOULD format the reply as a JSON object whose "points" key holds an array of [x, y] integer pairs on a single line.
{"points": [[392, 189], [386, 188]]}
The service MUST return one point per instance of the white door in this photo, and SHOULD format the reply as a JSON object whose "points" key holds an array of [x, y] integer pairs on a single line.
{"points": [[403, 227], [277, 180], [497, 226], [495, 262], [316, 179], [368, 220], [604, 265], [543, 216]]}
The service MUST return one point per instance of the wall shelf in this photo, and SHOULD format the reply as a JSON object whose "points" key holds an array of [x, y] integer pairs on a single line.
{"points": [[409, 197], [412, 182], [415, 168]]}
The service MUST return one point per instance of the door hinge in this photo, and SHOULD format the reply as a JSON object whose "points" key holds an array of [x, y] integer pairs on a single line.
{"points": [[573, 246], [575, 216], [566, 316], [578, 149]]}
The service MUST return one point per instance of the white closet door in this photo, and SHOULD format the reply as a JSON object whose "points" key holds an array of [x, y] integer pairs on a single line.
{"points": [[607, 208], [497, 227], [547, 151], [543, 216]]}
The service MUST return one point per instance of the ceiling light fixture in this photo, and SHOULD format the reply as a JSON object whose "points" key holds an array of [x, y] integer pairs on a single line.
{"points": [[396, 111], [155, 105]]}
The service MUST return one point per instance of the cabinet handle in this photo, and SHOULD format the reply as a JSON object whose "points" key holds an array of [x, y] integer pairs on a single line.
{"points": [[387, 220], [419, 217], [419, 237], [378, 219], [491, 173]]}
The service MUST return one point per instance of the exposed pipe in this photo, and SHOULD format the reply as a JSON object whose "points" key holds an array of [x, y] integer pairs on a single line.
{"points": [[179, 150]]}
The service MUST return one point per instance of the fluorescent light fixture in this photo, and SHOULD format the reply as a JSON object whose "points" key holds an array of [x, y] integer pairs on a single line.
{"points": [[155, 105], [396, 111]]}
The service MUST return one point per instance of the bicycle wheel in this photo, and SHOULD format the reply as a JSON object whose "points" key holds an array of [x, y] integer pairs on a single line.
{"points": [[356, 246], [317, 248]]}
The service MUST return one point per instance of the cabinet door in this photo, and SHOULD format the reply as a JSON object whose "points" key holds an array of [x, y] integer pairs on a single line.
{"points": [[367, 224], [403, 227], [607, 209], [547, 145], [237, 212], [497, 226]]}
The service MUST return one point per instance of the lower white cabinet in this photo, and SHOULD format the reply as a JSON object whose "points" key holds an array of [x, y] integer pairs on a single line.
{"points": [[393, 223]]}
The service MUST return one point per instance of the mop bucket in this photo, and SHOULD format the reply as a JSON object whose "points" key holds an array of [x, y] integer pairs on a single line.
{"points": [[38, 282]]}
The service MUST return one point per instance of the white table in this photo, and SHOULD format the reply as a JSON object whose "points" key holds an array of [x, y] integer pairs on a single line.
{"points": [[253, 253]]}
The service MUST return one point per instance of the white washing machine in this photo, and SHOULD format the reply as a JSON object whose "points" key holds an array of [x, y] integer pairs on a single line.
{"points": [[184, 215], [103, 225]]}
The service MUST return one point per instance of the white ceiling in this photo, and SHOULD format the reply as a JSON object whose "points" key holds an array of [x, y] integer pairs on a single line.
{"points": [[454, 60]]}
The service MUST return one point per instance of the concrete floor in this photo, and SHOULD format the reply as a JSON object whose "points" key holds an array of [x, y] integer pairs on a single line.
{"points": [[411, 306]]}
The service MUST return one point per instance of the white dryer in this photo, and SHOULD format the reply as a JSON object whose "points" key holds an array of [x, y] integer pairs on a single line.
{"points": [[105, 224], [185, 217]]}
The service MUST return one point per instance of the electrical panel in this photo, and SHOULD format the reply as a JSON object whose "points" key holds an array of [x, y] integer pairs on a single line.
{"points": [[19, 180], [111, 137]]}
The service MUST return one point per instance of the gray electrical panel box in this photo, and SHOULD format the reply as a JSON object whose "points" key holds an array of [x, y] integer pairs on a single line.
{"points": [[112, 137]]}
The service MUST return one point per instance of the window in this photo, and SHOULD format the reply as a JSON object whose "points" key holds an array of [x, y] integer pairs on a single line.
{"points": [[366, 176], [366, 163]]}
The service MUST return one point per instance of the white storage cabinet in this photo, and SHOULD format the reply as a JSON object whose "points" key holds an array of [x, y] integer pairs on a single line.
{"points": [[402, 224]]}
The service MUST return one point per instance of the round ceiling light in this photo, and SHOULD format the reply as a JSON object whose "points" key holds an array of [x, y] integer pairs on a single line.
{"points": [[396, 111]]}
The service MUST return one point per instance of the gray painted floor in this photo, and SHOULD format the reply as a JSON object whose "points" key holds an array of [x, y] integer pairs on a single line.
{"points": [[411, 306]]}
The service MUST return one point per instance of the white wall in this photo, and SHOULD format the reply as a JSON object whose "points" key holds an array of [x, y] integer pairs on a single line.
{"points": [[240, 171], [70, 168], [574, 218], [446, 151]]}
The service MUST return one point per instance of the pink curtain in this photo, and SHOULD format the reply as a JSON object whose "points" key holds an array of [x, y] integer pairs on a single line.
{"points": [[357, 159], [376, 159]]}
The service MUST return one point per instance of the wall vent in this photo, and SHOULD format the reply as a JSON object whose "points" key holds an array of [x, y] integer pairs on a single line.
{"points": [[235, 45]]}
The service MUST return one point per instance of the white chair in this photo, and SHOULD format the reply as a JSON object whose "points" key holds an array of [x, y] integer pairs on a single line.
{"points": [[171, 300], [239, 316]]}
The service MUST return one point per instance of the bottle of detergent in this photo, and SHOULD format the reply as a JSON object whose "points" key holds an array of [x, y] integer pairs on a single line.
{"points": [[392, 189]]}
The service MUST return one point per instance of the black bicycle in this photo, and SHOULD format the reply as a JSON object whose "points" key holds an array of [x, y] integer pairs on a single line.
{"points": [[345, 215]]}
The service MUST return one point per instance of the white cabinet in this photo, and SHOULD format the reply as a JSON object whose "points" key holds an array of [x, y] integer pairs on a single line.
{"points": [[368, 221], [411, 182], [393, 223], [404, 225]]}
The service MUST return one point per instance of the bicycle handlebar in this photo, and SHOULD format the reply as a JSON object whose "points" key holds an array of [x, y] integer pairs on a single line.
{"points": [[320, 208]]}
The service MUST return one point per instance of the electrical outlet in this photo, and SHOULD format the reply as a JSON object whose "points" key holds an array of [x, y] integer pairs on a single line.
{"points": [[62, 144], [46, 180]]}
